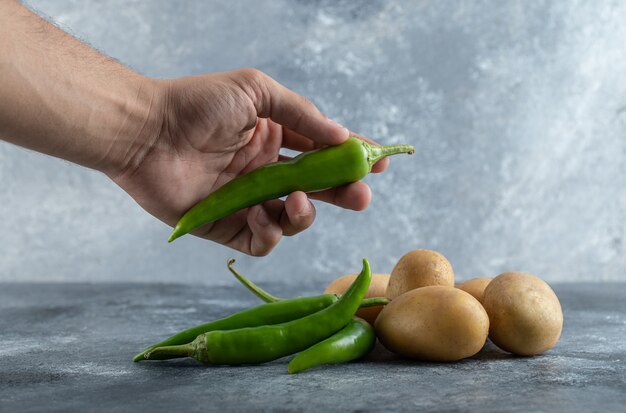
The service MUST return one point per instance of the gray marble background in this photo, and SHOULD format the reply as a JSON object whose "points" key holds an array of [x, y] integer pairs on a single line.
{"points": [[517, 110]]}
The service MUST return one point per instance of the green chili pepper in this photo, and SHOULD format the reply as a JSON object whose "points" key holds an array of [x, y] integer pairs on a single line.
{"points": [[269, 298], [312, 171], [272, 313], [253, 345], [350, 343], [292, 308]]}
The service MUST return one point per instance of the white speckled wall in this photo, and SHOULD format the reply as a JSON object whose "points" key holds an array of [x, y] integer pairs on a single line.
{"points": [[518, 113]]}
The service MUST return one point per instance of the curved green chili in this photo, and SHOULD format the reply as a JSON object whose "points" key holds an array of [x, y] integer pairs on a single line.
{"points": [[350, 343], [269, 298], [271, 313], [265, 343], [311, 171]]}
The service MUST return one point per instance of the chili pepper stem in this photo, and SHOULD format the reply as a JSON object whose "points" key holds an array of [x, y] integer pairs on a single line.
{"points": [[376, 153], [170, 352], [255, 289], [373, 302]]}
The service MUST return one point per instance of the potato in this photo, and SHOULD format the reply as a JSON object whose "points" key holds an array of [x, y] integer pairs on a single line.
{"points": [[419, 268], [475, 286], [377, 288], [525, 314], [435, 323]]}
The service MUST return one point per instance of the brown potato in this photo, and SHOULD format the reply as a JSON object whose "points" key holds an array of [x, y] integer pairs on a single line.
{"points": [[377, 288], [435, 323], [525, 314], [419, 268], [475, 286]]}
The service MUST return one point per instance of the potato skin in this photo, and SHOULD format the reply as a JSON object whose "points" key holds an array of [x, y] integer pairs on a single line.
{"points": [[377, 288], [475, 286], [525, 314], [419, 268], [436, 323]]}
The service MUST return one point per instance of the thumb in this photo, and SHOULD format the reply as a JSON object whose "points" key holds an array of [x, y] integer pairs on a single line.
{"points": [[287, 108]]}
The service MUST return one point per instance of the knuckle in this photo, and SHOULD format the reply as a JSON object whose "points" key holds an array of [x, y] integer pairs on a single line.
{"points": [[255, 84], [292, 229], [299, 223], [252, 76], [303, 221], [262, 250]]}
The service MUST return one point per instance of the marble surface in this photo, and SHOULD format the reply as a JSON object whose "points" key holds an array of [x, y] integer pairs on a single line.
{"points": [[517, 111], [68, 347]]}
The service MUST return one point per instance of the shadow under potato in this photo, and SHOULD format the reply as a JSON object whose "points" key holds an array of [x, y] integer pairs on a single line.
{"points": [[489, 352]]}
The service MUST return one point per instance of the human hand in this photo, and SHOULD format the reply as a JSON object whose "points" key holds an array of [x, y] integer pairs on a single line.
{"points": [[216, 127], [167, 143]]}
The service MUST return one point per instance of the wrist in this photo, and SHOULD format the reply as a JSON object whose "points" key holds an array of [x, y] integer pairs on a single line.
{"points": [[132, 126]]}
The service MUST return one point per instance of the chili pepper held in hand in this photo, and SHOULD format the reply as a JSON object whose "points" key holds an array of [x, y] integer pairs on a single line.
{"points": [[265, 343], [272, 313], [312, 171], [269, 298], [350, 343]]}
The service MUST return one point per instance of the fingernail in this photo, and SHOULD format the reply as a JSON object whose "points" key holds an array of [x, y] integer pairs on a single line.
{"points": [[262, 218]]}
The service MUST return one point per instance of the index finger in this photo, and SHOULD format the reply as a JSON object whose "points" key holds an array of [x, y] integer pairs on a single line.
{"points": [[289, 109]]}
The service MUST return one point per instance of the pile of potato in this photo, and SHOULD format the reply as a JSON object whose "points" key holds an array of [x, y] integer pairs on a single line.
{"points": [[429, 318]]}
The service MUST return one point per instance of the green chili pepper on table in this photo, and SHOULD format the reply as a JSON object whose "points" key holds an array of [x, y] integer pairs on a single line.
{"points": [[290, 309], [350, 343], [254, 345], [311, 171], [271, 313]]}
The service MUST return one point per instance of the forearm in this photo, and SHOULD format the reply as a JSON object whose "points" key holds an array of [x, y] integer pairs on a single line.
{"points": [[61, 97]]}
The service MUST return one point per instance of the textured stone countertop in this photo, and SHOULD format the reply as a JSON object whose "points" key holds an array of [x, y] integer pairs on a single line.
{"points": [[67, 347]]}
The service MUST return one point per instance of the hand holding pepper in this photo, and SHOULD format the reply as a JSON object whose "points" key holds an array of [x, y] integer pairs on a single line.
{"points": [[217, 127], [167, 143]]}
